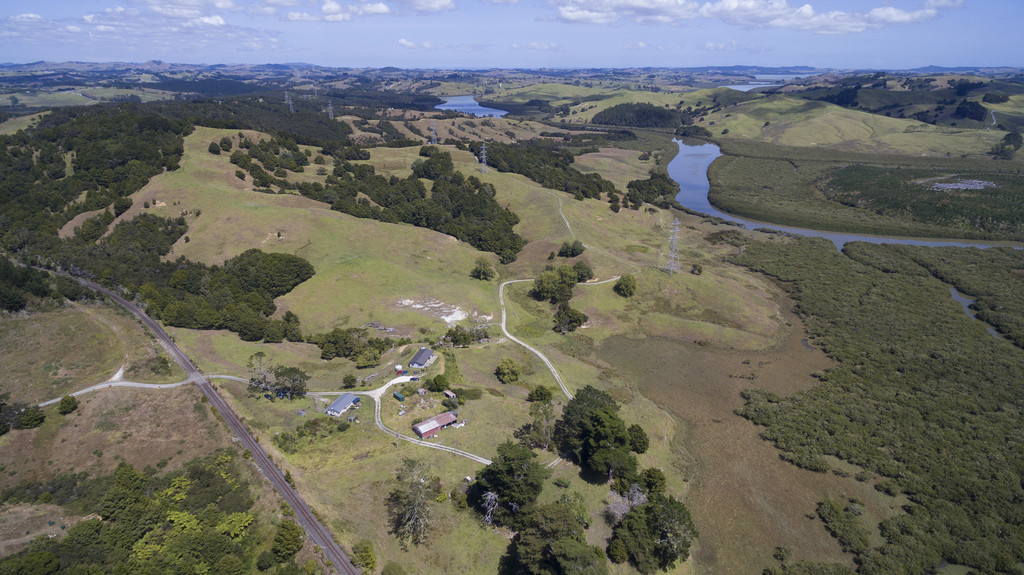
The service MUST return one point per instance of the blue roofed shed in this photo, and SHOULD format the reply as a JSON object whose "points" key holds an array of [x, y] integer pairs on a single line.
{"points": [[344, 401]]}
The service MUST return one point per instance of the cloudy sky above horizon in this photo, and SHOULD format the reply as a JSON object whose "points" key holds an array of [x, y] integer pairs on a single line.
{"points": [[519, 33]]}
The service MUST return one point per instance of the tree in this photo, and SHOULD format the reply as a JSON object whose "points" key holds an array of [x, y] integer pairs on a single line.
{"points": [[573, 429], [214, 148], [30, 418], [288, 540], [290, 380], [568, 319], [482, 270], [540, 393], [507, 371], [261, 371], [551, 539], [654, 535], [571, 249], [225, 144], [265, 560], [67, 404], [514, 479], [459, 336], [626, 286], [349, 381], [409, 504], [438, 384], [363, 556], [638, 440], [543, 425]]}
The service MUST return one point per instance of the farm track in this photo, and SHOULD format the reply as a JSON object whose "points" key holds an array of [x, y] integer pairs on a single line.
{"points": [[316, 531], [535, 351]]}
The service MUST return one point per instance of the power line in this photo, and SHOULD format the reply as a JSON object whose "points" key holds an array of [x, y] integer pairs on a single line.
{"points": [[483, 158]]}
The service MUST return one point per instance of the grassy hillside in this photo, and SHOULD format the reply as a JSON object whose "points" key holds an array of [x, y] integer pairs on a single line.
{"points": [[49, 354]]}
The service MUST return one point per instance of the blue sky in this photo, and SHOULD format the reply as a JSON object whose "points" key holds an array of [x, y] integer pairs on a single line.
{"points": [[519, 33]]}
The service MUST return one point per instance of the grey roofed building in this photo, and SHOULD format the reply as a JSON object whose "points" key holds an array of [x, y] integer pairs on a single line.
{"points": [[421, 358], [344, 401], [429, 427]]}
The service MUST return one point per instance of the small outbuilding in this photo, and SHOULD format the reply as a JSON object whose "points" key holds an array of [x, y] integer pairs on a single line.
{"points": [[340, 405], [449, 394], [398, 395], [429, 427], [422, 358]]}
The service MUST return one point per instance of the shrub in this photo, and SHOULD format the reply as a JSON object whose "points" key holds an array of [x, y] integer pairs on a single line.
{"points": [[67, 405]]}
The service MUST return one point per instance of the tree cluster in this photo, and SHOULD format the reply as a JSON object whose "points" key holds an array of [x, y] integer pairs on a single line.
{"points": [[638, 115], [591, 434], [547, 165], [197, 517], [971, 110], [555, 285], [657, 189], [508, 486], [20, 286], [461, 207], [266, 376]]}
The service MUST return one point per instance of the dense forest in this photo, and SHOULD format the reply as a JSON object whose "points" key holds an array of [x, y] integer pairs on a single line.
{"points": [[197, 519], [984, 201], [639, 115], [547, 164], [923, 400]]}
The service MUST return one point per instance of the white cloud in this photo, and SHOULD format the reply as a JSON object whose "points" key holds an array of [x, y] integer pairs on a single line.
{"points": [[208, 21], [432, 5], [302, 17], [748, 13], [635, 46], [75, 29], [539, 46], [102, 28], [710, 46], [27, 18], [262, 10], [406, 44], [371, 9]]}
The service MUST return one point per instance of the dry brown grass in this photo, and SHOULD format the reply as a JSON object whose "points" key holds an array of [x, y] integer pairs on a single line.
{"points": [[744, 499], [20, 524], [49, 354], [139, 426]]}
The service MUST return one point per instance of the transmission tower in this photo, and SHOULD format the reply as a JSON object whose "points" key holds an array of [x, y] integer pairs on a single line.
{"points": [[483, 158], [433, 132], [672, 265], [330, 109], [288, 100]]}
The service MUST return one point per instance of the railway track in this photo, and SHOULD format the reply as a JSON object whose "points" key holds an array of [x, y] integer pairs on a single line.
{"points": [[319, 534]]}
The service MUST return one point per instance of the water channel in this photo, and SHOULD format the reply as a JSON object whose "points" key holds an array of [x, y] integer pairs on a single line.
{"points": [[690, 170], [469, 105]]}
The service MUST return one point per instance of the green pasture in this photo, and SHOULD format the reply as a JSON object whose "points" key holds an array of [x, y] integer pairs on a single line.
{"points": [[12, 125], [788, 121]]}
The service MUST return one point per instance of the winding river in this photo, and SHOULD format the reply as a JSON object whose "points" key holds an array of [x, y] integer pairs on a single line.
{"points": [[690, 170]]}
